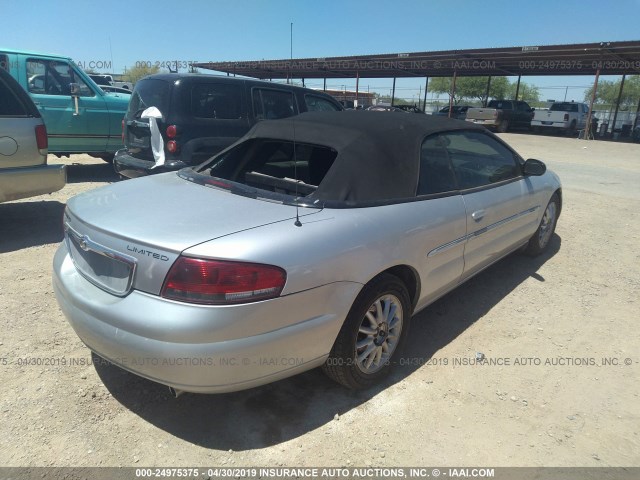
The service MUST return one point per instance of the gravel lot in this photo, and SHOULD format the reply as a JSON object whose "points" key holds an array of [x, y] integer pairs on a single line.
{"points": [[547, 325]]}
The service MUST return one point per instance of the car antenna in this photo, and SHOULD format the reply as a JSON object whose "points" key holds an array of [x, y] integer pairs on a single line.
{"points": [[297, 223]]}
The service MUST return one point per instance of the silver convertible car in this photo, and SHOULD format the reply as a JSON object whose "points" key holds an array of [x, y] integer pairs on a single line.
{"points": [[308, 243]]}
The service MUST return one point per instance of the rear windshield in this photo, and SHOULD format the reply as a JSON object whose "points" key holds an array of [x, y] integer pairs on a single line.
{"points": [[500, 105], [149, 93], [564, 107], [10, 104], [273, 166]]}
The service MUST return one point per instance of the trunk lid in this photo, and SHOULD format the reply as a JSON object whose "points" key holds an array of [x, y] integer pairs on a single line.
{"points": [[128, 234]]}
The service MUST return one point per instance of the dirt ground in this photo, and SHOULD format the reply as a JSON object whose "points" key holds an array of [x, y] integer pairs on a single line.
{"points": [[559, 385]]}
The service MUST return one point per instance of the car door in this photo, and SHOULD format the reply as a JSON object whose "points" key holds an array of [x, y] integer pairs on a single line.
{"points": [[499, 202], [84, 130], [441, 216]]}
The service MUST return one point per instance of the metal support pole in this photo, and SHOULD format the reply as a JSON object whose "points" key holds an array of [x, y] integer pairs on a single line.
{"points": [[324, 88], [452, 92], [615, 115], [587, 127], [486, 93], [518, 88], [355, 104], [393, 91], [303, 82], [635, 121], [424, 102]]}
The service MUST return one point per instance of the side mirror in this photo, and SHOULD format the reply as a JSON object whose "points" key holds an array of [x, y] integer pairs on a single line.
{"points": [[74, 88], [533, 167]]}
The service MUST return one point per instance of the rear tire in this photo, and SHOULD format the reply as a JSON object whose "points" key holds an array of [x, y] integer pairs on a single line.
{"points": [[107, 157], [539, 242], [372, 335], [504, 126]]}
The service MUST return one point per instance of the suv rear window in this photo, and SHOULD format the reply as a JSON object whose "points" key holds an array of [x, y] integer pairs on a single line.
{"points": [[149, 93], [218, 100], [10, 104]]}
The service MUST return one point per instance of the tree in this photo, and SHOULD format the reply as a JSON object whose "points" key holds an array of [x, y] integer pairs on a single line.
{"points": [[608, 91], [471, 88], [528, 93], [136, 73]]}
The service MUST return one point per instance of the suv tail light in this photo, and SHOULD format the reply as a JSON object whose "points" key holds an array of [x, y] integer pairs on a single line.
{"points": [[172, 131], [566, 117], [218, 282], [172, 146], [41, 139], [123, 131]]}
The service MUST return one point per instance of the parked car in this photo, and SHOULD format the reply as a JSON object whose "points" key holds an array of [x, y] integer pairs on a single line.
{"points": [[23, 146], [80, 116], [502, 115], [458, 111], [567, 117], [310, 242], [201, 115]]}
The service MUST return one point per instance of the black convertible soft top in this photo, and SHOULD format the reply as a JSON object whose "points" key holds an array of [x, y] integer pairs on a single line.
{"points": [[378, 152]]}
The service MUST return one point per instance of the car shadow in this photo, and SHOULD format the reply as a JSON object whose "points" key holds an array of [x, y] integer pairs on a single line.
{"points": [[30, 224], [281, 411], [94, 172]]}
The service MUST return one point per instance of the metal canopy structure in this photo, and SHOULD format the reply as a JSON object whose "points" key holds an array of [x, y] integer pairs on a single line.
{"points": [[611, 58]]}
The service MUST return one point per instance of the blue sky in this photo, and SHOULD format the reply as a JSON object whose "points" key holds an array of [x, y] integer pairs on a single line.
{"points": [[124, 32]]}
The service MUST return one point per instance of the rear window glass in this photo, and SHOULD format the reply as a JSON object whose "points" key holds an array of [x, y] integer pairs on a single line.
{"points": [[500, 105], [272, 165], [217, 100], [564, 107], [149, 93], [10, 104]]}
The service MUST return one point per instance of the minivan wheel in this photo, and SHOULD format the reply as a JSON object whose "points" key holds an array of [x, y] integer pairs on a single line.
{"points": [[107, 157], [540, 240], [372, 335]]}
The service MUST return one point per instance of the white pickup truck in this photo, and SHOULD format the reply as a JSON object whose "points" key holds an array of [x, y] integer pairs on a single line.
{"points": [[561, 116]]}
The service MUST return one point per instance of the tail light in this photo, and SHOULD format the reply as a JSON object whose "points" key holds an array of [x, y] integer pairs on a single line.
{"points": [[172, 131], [495, 114], [123, 131], [41, 139], [172, 146], [566, 117], [218, 282]]}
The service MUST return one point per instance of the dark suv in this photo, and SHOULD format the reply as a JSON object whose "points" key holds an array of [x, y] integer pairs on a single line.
{"points": [[201, 115]]}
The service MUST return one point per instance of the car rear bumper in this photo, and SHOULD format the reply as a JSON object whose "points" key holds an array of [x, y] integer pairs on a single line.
{"points": [[197, 348], [23, 182], [546, 124], [132, 167]]}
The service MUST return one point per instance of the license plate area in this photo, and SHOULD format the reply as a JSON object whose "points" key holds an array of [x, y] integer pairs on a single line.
{"points": [[105, 268]]}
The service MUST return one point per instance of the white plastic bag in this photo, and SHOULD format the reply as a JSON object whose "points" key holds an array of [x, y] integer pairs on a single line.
{"points": [[157, 145]]}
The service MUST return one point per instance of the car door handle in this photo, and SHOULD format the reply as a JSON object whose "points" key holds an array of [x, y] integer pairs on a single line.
{"points": [[478, 215]]}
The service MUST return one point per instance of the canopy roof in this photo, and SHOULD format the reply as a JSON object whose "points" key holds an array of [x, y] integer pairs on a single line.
{"points": [[613, 58]]}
